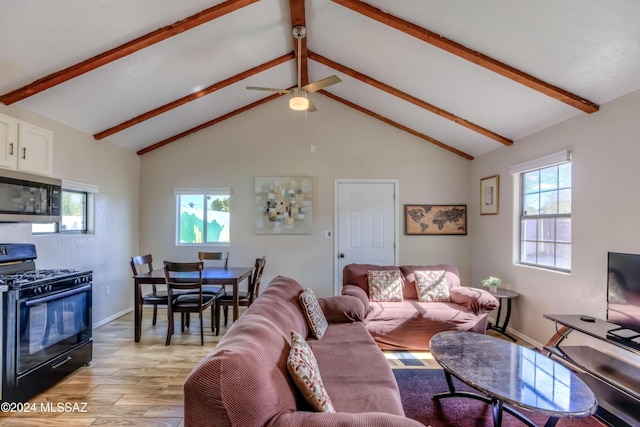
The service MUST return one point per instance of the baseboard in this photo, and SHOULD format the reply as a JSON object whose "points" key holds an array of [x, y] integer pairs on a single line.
{"points": [[112, 317], [525, 338]]}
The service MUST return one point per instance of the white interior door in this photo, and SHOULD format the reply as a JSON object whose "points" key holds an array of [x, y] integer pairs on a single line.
{"points": [[366, 224]]}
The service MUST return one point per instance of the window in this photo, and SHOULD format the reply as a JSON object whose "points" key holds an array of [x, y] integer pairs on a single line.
{"points": [[77, 210], [545, 214], [203, 216], [74, 215]]}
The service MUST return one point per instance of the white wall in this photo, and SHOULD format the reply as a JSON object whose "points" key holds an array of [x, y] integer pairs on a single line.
{"points": [[79, 157], [272, 140], [606, 171]]}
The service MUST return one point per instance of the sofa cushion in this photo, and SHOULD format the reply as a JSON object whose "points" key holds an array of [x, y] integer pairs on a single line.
{"points": [[432, 286], [313, 312], [342, 308], [409, 325], [408, 271], [355, 372], [359, 293], [357, 274], [303, 367], [385, 285]]}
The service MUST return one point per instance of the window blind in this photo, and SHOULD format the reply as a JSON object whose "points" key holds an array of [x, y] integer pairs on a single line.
{"points": [[542, 162]]}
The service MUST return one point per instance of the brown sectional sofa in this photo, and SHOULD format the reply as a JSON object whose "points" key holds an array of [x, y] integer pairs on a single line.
{"points": [[410, 324], [245, 381]]}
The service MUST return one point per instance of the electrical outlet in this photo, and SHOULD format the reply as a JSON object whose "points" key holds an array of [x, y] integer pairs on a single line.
{"points": [[107, 290]]}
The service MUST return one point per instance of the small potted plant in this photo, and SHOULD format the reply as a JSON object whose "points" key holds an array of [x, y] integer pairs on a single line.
{"points": [[492, 283]]}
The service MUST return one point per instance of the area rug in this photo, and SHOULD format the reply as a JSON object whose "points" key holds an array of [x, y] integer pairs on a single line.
{"points": [[410, 359], [418, 385]]}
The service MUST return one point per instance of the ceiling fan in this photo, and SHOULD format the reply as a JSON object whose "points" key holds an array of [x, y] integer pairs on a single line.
{"points": [[299, 95]]}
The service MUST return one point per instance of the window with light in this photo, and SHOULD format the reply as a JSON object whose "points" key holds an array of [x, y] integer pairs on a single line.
{"points": [[545, 217], [203, 216]]}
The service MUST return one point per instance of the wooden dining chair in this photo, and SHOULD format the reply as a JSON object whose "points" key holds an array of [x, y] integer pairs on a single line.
{"points": [[185, 294], [245, 299], [221, 260], [223, 257], [156, 297]]}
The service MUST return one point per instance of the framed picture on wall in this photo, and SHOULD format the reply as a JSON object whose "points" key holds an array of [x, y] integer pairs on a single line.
{"points": [[283, 205], [435, 219], [489, 195]]}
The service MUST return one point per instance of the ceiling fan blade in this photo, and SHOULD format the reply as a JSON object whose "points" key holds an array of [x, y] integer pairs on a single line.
{"points": [[317, 85], [311, 108], [269, 89]]}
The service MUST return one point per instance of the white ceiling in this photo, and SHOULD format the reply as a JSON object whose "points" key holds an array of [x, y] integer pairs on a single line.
{"points": [[590, 48]]}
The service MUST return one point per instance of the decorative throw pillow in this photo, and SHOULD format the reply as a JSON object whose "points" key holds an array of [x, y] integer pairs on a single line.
{"points": [[385, 285], [432, 286], [313, 312], [303, 368]]}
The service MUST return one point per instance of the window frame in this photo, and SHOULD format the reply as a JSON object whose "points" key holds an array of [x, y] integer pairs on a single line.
{"points": [[204, 192], [519, 171], [87, 214], [89, 190]]}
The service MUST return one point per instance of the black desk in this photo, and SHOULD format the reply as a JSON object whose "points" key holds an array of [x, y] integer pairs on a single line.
{"points": [[615, 382]]}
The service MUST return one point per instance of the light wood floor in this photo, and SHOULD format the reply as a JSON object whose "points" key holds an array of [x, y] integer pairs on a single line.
{"points": [[128, 383]]}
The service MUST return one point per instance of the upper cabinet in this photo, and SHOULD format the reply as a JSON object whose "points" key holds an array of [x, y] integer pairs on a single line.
{"points": [[25, 147]]}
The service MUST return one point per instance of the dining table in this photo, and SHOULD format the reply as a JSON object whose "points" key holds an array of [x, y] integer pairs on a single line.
{"points": [[229, 276]]}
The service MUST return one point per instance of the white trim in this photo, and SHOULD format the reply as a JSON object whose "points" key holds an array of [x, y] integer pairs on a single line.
{"points": [[218, 191], [113, 317], [79, 186], [542, 162]]}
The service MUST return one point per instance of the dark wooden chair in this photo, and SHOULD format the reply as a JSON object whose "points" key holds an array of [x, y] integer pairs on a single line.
{"points": [[218, 259], [223, 257], [245, 299], [184, 286], [155, 297]]}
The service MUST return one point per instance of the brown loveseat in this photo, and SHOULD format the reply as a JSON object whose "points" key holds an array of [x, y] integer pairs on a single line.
{"points": [[410, 324], [245, 381]]}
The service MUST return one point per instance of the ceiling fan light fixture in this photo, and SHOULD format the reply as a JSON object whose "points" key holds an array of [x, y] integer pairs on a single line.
{"points": [[298, 100]]}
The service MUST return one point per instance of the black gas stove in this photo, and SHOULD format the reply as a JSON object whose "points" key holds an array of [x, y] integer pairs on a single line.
{"points": [[39, 282], [46, 322], [33, 277]]}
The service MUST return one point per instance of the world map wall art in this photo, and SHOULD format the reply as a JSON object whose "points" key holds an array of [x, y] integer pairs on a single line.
{"points": [[283, 205], [435, 219]]}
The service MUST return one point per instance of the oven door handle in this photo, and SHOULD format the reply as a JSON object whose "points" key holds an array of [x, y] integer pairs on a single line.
{"points": [[64, 294]]}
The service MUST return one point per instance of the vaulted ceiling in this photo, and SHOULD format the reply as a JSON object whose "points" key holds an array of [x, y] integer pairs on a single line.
{"points": [[469, 76]]}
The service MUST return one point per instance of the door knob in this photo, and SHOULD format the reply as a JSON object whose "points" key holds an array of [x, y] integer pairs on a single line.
{"points": [[341, 255]]}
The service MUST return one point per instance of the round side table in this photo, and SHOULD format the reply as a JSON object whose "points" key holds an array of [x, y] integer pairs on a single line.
{"points": [[503, 295]]}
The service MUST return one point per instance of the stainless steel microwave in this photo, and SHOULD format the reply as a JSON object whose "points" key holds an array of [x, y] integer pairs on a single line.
{"points": [[29, 198]]}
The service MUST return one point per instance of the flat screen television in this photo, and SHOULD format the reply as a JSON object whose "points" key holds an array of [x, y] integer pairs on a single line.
{"points": [[623, 290]]}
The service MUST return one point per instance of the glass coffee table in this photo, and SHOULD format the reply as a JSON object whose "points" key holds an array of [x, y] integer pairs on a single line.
{"points": [[509, 376]]}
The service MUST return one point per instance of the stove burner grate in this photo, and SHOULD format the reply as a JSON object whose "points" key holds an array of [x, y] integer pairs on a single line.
{"points": [[32, 276]]}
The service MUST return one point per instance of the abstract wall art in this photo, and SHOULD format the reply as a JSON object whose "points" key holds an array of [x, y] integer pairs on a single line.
{"points": [[283, 205]]}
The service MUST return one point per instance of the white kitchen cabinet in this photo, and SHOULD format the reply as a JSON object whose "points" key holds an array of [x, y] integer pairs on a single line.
{"points": [[8, 142], [25, 147]]}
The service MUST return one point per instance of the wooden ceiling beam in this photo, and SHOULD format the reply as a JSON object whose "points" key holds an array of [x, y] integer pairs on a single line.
{"points": [[397, 125], [409, 98], [470, 55], [121, 51], [195, 95], [208, 124], [298, 18]]}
